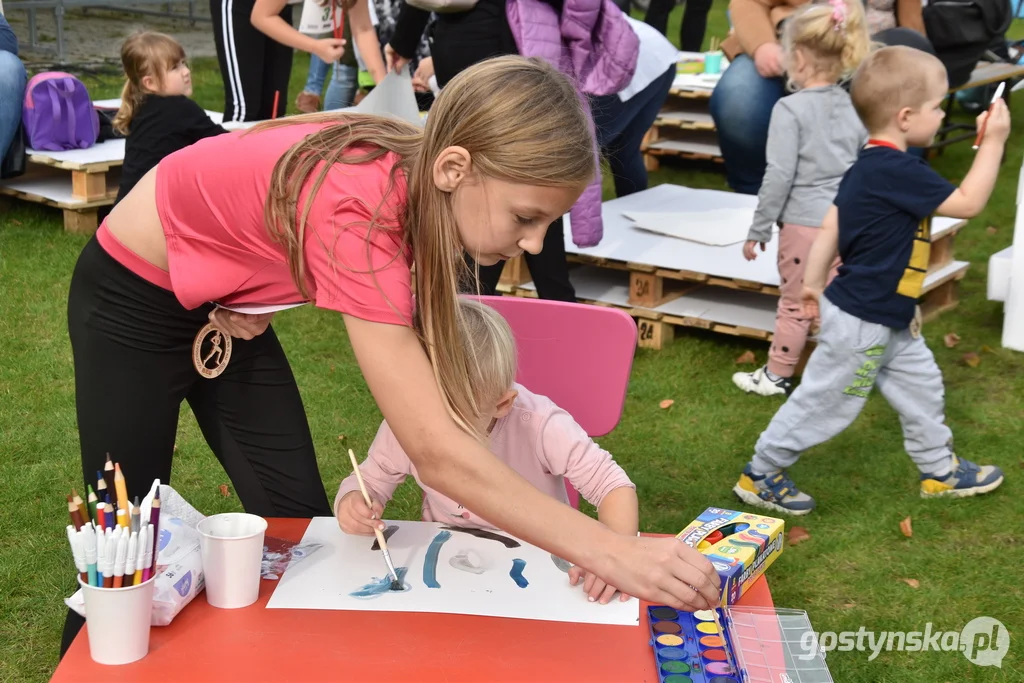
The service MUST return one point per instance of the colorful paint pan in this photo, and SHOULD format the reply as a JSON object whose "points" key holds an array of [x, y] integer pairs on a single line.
{"points": [[718, 668], [675, 667], [689, 648], [669, 640], [664, 613]]}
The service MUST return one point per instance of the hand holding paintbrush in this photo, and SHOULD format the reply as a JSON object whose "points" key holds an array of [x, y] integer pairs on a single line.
{"points": [[983, 122], [396, 585]]}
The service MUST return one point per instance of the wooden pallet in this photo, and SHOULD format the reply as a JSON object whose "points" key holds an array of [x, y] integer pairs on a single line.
{"points": [[684, 129], [78, 192]]}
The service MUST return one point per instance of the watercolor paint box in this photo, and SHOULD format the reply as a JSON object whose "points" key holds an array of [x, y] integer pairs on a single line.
{"points": [[759, 645], [740, 545]]}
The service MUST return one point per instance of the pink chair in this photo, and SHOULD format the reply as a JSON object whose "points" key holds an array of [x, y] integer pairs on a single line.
{"points": [[578, 355]]}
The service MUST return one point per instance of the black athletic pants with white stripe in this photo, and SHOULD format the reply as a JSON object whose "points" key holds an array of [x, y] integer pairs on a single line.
{"points": [[253, 65]]}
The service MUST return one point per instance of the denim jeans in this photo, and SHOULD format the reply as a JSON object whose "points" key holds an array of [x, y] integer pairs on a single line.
{"points": [[621, 127], [741, 106], [12, 95], [316, 76], [341, 92]]}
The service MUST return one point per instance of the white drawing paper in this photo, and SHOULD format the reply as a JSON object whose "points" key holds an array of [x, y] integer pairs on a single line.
{"points": [[346, 563], [394, 96], [716, 227]]}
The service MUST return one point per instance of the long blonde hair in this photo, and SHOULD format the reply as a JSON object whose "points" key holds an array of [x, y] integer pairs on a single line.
{"points": [[833, 35], [146, 53], [493, 347], [521, 121]]}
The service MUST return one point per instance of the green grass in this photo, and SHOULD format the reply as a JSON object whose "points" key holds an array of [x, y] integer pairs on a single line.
{"points": [[967, 554]]}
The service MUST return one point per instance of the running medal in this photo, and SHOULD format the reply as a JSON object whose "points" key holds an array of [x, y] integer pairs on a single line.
{"points": [[211, 351]]}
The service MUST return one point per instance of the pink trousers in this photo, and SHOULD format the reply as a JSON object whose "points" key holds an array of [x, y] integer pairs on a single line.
{"points": [[791, 327]]}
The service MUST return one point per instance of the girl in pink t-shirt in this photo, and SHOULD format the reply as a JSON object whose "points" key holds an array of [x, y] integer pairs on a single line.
{"points": [[536, 438], [336, 209]]}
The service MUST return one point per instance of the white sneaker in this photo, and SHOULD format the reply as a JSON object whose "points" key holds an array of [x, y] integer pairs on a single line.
{"points": [[758, 382]]}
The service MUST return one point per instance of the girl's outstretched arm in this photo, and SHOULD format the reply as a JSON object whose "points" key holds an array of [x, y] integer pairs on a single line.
{"points": [[399, 375]]}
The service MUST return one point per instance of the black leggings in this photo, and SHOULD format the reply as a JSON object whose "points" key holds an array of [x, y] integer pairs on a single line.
{"points": [[692, 27], [132, 345], [253, 65]]}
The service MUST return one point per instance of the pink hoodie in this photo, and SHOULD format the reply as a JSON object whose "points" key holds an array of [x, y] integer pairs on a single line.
{"points": [[537, 439]]}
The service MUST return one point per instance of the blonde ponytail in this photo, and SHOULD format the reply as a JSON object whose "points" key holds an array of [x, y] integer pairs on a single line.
{"points": [[834, 35]]}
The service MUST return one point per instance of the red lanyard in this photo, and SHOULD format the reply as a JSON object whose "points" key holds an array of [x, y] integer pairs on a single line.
{"points": [[883, 143], [339, 26]]}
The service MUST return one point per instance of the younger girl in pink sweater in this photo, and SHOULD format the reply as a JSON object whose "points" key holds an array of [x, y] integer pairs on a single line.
{"points": [[536, 438]]}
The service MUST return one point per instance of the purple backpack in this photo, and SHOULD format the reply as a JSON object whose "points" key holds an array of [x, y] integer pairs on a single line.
{"points": [[58, 113]]}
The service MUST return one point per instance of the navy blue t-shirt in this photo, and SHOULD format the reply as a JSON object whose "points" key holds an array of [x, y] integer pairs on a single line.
{"points": [[885, 204]]}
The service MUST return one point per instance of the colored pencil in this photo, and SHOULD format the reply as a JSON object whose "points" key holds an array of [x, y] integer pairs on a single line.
{"points": [[122, 517], [80, 503], [76, 514], [108, 475], [154, 519], [122, 490], [277, 99], [135, 515], [108, 515], [92, 501]]}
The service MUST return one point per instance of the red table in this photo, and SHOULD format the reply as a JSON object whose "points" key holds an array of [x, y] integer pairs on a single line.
{"points": [[258, 644]]}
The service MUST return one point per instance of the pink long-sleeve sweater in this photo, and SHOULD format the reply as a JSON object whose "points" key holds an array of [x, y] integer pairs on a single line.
{"points": [[537, 439]]}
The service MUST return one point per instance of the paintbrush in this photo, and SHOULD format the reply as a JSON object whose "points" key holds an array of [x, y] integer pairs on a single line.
{"points": [[396, 585]]}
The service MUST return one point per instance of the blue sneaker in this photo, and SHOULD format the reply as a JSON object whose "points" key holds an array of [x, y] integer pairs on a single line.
{"points": [[774, 491], [966, 479]]}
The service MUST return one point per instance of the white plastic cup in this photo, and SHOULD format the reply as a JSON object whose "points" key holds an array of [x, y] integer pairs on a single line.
{"points": [[117, 621], [232, 545]]}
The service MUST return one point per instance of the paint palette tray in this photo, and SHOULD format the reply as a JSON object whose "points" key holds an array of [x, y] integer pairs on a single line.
{"points": [[690, 648], [759, 645]]}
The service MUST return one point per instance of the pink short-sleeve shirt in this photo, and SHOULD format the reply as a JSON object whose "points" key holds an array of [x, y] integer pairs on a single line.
{"points": [[211, 197]]}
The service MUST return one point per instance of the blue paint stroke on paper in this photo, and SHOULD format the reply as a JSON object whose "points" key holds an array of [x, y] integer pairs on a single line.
{"points": [[517, 573], [382, 585], [430, 561]]}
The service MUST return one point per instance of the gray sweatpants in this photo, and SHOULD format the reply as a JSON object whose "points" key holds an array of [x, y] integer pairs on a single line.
{"points": [[852, 357]]}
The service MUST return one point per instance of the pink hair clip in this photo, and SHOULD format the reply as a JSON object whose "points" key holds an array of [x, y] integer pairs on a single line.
{"points": [[838, 12]]}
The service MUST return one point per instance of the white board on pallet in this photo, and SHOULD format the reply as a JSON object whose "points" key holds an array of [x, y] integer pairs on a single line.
{"points": [[621, 242], [721, 305]]}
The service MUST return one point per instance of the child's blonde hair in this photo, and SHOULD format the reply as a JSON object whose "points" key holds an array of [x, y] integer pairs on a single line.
{"points": [[893, 78], [521, 121], [834, 36], [146, 53], [493, 347]]}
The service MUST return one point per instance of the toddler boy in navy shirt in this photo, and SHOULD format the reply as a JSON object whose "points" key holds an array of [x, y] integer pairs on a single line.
{"points": [[870, 328]]}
